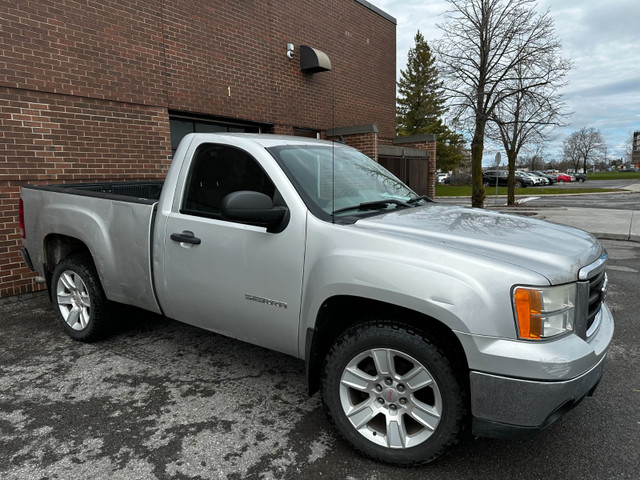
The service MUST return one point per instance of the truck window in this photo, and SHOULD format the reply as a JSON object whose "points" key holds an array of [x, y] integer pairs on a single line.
{"points": [[218, 170]]}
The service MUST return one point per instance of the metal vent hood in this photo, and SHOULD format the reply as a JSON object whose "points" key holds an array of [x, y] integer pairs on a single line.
{"points": [[313, 60]]}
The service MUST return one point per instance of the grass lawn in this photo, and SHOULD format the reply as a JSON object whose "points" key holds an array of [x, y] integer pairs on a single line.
{"points": [[613, 175], [465, 191]]}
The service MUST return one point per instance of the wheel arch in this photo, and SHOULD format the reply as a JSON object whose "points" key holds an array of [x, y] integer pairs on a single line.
{"points": [[340, 313], [56, 248]]}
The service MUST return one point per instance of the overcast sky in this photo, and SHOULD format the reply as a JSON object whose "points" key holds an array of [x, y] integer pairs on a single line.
{"points": [[602, 38]]}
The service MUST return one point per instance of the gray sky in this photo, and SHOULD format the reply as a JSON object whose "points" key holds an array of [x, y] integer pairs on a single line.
{"points": [[602, 38]]}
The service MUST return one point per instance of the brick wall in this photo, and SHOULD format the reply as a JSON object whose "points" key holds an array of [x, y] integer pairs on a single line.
{"points": [[367, 143], [232, 60], [86, 85], [51, 138]]}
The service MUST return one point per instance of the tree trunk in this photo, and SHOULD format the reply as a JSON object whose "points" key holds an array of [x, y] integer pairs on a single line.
{"points": [[511, 189], [477, 147]]}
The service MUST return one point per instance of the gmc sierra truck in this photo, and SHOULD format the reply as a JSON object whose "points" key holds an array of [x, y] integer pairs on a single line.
{"points": [[415, 320]]}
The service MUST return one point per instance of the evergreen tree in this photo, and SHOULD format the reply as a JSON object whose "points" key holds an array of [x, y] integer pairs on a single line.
{"points": [[420, 105]]}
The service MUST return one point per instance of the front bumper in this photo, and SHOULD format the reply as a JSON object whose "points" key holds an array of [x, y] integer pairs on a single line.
{"points": [[531, 385], [507, 407]]}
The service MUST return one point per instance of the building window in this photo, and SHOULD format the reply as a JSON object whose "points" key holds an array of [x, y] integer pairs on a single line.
{"points": [[182, 125], [306, 132]]}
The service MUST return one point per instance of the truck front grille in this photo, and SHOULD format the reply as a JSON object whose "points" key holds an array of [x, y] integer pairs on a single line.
{"points": [[597, 293]]}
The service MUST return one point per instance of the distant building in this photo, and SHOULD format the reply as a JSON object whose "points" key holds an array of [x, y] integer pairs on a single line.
{"points": [[635, 149]]}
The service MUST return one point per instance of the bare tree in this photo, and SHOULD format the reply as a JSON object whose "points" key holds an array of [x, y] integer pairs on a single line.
{"points": [[582, 147], [533, 159], [627, 153], [483, 43], [529, 115]]}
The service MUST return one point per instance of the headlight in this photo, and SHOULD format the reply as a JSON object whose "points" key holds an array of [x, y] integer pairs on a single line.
{"points": [[544, 312]]}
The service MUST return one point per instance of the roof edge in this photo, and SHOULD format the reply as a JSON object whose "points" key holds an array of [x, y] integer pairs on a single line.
{"points": [[380, 12], [427, 137], [353, 130]]}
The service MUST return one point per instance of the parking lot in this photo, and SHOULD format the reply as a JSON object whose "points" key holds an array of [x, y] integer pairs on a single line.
{"points": [[163, 400]]}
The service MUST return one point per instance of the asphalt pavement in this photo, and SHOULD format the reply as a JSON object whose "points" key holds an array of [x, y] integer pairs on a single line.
{"points": [[163, 400]]}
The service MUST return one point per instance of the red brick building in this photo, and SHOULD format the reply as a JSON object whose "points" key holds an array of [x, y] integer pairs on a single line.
{"points": [[103, 89]]}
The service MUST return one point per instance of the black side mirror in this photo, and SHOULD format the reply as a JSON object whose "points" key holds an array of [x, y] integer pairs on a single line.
{"points": [[254, 208]]}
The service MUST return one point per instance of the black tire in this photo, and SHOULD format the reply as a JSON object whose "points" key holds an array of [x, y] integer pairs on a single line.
{"points": [[389, 404], [581, 180], [520, 185], [78, 298]]}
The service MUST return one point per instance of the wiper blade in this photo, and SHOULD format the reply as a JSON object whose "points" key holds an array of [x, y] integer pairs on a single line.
{"points": [[374, 205], [421, 197]]}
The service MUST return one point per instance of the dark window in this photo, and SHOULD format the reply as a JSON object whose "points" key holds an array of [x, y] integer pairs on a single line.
{"points": [[218, 170], [181, 126]]}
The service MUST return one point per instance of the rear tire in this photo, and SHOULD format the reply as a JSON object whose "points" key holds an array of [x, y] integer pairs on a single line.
{"points": [[393, 394], [79, 300]]}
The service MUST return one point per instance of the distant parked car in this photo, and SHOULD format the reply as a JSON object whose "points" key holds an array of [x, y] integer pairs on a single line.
{"points": [[536, 179], [552, 178], [491, 177], [563, 177], [541, 179], [441, 177], [580, 177], [524, 179]]}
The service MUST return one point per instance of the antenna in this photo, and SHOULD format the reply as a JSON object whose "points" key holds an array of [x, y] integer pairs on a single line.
{"points": [[333, 153]]}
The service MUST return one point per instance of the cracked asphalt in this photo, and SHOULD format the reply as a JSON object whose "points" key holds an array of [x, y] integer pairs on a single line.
{"points": [[162, 400]]}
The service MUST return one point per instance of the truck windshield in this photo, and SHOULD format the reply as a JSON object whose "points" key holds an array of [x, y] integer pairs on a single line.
{"points": [[334, 180]]}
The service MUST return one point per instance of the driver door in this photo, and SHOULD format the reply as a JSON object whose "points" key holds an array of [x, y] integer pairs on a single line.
{"points": [[232, 278]]}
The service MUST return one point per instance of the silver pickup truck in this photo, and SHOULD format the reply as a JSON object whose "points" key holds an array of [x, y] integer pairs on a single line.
{"points": [[415, 320]]}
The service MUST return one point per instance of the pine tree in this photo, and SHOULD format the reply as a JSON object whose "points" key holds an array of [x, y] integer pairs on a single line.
{"points": [[420, 105]]}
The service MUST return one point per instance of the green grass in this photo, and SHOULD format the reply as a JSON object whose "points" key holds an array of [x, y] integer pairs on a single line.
{"points": [[465, 191], [613, 175]]}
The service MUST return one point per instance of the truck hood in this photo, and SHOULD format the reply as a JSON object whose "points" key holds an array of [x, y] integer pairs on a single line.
{"points": [[554, 251]]}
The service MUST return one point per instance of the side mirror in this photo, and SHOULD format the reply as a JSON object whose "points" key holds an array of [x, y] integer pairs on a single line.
{"points": [[254, 208]]}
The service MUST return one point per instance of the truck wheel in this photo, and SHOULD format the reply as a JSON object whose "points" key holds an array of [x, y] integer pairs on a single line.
{"points": [[79, 300], [392, 394]]}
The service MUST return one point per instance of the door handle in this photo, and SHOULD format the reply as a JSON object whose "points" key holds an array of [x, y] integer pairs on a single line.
{"points": [[185, 237]]}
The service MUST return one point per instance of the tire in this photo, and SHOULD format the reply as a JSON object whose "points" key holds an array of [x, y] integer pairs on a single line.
{"points": [[78, 298], [393, 394], [519, 185], [581, 180]]}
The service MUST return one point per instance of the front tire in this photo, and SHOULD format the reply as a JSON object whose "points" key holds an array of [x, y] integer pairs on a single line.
{"points": [[78, 298], [393, 394]]}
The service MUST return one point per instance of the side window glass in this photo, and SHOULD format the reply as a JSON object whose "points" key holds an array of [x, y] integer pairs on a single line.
{"points": [[218, 170]]}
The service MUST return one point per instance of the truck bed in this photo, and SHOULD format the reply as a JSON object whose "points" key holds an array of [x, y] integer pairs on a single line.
{"points": [[113, 219]]}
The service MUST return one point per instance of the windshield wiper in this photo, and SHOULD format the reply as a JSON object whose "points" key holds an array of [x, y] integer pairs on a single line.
{"points": [[374, 205], [417, 199]]}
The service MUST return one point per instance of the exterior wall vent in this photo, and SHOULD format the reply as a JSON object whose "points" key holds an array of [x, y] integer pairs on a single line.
{"points": [[313, 60]]}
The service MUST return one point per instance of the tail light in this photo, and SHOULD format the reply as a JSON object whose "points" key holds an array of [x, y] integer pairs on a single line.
{"points": [[21, 217]]}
